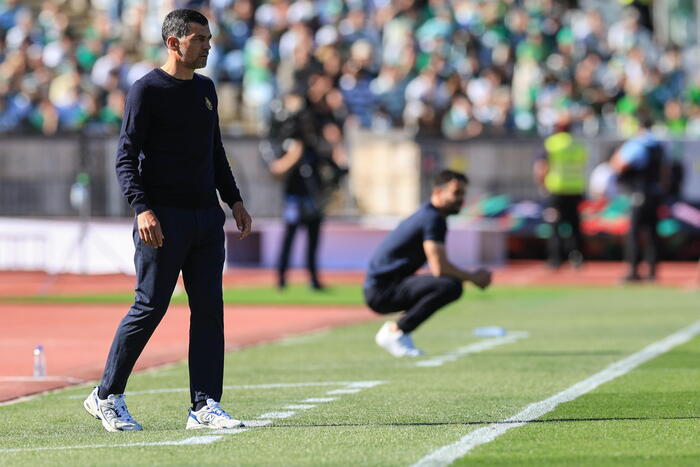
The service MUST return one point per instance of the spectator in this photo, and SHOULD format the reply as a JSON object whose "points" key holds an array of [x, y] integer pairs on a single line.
{"points": [[44, 117], [355, 84], [13, 110], [518, 62], [9, 11], [297, 160], [114, 61], [258, 85], [458, 122]]}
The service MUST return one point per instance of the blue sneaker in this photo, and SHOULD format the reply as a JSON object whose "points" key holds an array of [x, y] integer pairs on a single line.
{"points": [[211, 416]]}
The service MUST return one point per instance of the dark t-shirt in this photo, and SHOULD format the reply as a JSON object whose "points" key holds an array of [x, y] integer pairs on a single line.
{"points": [[170, 151], [303, 179], [401, 253]]}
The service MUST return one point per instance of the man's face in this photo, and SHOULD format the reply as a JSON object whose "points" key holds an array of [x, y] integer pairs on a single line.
{"points": [[450, 196], [194, 47]]}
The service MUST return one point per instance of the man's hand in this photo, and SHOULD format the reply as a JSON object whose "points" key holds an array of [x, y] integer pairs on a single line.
{"points": [[440, 266], [481, 278], [149, 229], [242, 218]]}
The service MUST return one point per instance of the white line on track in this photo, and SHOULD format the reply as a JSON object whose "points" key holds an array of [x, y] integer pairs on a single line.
{"points": [[448, 454], [476, 347], [39, 379]]}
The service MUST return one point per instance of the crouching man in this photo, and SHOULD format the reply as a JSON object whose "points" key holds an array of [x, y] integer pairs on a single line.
{"points": [[392, 284]]}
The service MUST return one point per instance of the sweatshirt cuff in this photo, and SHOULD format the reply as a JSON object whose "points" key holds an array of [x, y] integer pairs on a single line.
{"points": [[233, 198], [230, 205], [140, 206]]}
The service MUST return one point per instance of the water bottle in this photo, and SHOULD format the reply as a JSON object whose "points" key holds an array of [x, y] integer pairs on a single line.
{"points": [[490, 331], [39, 362]]}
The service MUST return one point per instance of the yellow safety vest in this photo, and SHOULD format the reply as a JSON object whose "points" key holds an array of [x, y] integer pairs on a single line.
{"points": [[567, 165]]}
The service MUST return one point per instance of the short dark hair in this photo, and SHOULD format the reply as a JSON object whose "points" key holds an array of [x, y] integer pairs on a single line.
{"points": [[177, 23], [446, 176], [646, 119]]}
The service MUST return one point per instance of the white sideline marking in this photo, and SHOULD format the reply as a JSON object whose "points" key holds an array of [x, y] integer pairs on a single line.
{"points": [[31, 379], [352, 384], [345, 391], [277, 415], [182, 442], [193, 440], [231, 431], [476, 347], [448, 454], [365, 384], [263, 420], [299, 406], [254, 423], [320, 399]]}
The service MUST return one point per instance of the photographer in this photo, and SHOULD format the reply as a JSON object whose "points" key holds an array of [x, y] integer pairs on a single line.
{"points": [[300, 155]]}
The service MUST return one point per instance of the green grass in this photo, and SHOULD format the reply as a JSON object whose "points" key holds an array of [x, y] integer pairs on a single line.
{"points": [[648, 417]]}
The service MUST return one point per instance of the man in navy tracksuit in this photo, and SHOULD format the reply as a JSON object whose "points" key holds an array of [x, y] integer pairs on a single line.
{"points": [[170, 165], [391, 284]]}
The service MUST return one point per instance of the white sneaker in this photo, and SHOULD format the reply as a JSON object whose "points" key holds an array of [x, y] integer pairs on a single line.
{"points": [[112, 412], [211, 416], [396, 343]]}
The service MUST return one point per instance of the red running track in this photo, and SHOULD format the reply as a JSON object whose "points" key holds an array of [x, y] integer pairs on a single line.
{"points": [[77, 337], [603, 273]]}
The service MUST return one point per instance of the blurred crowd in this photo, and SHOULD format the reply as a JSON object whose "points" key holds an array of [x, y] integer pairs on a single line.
{"points": [[451, 68]]}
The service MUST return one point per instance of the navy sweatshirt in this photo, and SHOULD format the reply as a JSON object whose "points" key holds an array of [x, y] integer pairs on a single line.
{"points": [[170, 151], [401, 252]]}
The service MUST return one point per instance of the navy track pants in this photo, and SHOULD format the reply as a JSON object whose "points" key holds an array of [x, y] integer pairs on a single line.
{"points": [[193, 244], [418, 296]]}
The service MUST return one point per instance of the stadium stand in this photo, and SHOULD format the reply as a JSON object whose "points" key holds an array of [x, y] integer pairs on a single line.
{"points": [[456, 69]]}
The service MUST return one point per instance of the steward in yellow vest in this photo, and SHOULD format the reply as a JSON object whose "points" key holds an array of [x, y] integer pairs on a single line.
{"points": [[566, 158], [560, 171]]}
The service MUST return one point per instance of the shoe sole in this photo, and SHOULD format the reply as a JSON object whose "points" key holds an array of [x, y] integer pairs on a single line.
{"points": [[209, 427], [116, 430], [419, 353]]}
